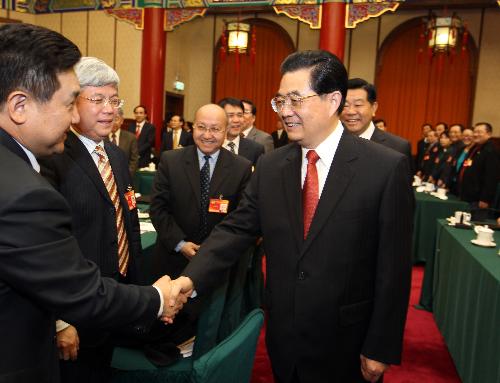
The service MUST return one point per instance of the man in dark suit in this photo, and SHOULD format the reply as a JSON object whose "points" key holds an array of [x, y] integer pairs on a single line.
{"points": [[126, 141], [234, 142], [104, 213], [280, 137], [174, 137], [145, 134], [250, 132], [42, 272], [175, 206], [422, 146], [480, 173], [337, 248], [360, 107]]}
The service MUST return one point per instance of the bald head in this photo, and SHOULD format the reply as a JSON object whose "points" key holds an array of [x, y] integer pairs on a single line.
{"points": [[209, 131]]}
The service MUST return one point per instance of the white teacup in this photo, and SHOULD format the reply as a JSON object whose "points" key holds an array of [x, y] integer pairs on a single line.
{"points": [[441, 192], [466, 218], [484, 234], [458, 216], [429, 187]]}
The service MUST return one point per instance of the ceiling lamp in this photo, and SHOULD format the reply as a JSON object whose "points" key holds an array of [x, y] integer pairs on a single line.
{"points": [[443, 33], [237, 40]]}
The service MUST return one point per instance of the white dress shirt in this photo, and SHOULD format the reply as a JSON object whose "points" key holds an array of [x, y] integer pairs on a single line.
{"points": [[326, 151], [368, 133], [236, 144]]}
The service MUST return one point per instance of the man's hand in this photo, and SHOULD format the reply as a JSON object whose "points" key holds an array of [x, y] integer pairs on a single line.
{"points": [[371, 369], [483, 205], [169, 311], [189, 249], [68, 343], [181, 290]]}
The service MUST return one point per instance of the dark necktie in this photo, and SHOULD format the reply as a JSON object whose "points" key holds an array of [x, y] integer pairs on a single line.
{"points": [[310, 191], [204, 188], [113, 138], [231, 145]]}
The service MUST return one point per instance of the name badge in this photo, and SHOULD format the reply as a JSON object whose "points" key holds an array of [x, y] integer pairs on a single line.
{"points": [[218, 205], [426, 157], [130, 197], [468, 162]]}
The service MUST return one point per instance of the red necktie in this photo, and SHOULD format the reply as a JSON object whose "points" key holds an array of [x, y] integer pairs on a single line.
{"points": [[310, 191], [137, 131]]}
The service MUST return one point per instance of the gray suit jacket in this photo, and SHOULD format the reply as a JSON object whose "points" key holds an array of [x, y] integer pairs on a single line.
{"points": [[262, 138], [128, 143]]}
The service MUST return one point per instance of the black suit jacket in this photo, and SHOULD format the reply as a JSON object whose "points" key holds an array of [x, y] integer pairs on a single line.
{"points": [[478, 181], [281, 141], [167, 140], [145, 142], [251, 150], [344, 290], [421, 149], [43, 275], [175, 205], [394, 142]]}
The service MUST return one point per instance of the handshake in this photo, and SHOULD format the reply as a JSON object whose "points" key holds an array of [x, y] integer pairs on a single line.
{"points": [[175, 293]]}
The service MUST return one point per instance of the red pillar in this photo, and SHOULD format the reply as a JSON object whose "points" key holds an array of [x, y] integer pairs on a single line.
{"points": [[332, 33], [153, 67]]}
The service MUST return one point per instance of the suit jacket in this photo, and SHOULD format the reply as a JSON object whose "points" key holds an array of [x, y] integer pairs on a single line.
{"points": [[262, 138], [167, 140], [128, 143], [251, 150], [480, 174], [421, 149], [394, 142], [281, 141], [175, 205], [145, 142], [43, 275], [342, 291]]}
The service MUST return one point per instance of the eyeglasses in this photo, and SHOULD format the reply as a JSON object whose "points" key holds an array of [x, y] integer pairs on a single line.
{"points": [[115, 102], [294, 101], [232, 115], [212, 130]]}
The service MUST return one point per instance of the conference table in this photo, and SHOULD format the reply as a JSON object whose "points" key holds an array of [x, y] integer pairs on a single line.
{"points": [[466, 291], [143, 181], [427, 210]]}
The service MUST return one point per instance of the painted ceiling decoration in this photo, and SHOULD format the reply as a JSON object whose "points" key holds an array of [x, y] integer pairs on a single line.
{"points": [[181, 11]]}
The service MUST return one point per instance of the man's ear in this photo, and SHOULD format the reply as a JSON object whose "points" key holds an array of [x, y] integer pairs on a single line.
{"points": [[17, 107], [374, 108], [335, 98]]}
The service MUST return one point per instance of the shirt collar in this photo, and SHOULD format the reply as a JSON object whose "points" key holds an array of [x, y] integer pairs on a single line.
{"points": [[236, 141], [201, 156], [87, 142], [247, 131], [117, 134], [326, 150], [34, 163], [368, 133]]}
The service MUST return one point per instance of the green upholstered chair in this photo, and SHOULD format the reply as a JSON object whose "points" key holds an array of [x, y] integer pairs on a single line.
{"points": [[228, 362]]}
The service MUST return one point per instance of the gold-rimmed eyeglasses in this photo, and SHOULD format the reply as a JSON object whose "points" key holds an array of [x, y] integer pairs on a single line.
{"points": [[294, 101], [115, 102], [208, 129]]}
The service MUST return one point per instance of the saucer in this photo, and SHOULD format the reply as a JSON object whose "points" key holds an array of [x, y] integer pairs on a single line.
{"points": [[483, 244], [443, 197]]}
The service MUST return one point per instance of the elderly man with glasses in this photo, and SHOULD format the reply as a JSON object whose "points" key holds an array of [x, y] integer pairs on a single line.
{"points": [[93, 175]]}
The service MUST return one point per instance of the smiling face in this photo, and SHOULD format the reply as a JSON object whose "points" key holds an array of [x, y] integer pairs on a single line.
{"points": [[41, 126], [96, 121], [358, 111], [209, 128], [235, 120], [312, 121], [248, 117], [468, 137]]}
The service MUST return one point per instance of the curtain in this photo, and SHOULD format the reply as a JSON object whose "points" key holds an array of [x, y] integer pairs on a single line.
{"points": [[256, 80], [416, 88]]}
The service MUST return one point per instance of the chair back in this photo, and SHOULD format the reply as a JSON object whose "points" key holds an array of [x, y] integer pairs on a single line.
{"points": [[232, 359]]}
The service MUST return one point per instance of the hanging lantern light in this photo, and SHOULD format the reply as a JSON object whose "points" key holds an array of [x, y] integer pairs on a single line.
{"points": [[238, 37], [443, 33]]}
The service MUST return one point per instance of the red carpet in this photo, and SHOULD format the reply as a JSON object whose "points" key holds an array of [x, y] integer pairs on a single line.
{"points": [[425, 356]]}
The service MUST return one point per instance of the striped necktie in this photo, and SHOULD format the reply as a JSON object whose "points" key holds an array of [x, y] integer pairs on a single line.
{"points": [[109, 182], [232, 145]]}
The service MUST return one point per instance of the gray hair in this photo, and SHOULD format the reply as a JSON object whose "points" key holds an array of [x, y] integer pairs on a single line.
{"points": [[92, 71], [119, 111]]}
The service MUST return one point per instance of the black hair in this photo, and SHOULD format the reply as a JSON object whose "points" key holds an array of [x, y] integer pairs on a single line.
{"points": [[231, 101], [249, 102], [487, 126], [359, 83]]}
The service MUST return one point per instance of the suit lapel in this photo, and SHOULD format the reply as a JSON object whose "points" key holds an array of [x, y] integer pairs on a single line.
{"points": [[339, 176], [221, 171], [79, 153], [293, 192], [192, 169], [378, 136], [7, 141]]}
